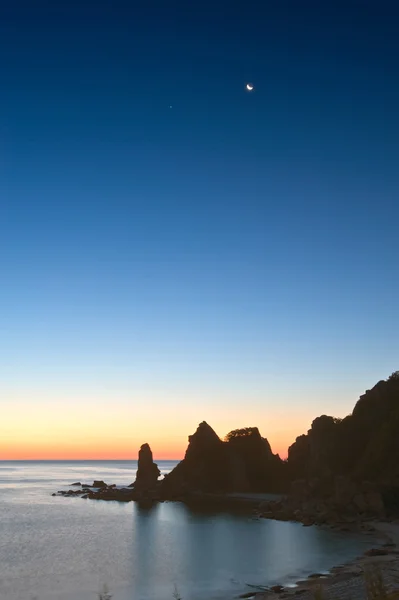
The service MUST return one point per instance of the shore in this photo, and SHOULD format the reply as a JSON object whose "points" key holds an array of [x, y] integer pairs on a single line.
{"points": [[347, 582]]}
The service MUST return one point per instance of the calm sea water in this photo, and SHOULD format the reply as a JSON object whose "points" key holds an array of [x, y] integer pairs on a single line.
{"points": [[67, 548]]}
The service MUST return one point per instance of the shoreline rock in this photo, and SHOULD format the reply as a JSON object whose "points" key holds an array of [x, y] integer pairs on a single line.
{"points": [[317, 503], [99, 484], [147, 471]]}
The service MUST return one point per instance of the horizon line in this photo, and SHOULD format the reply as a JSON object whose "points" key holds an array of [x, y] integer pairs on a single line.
{"points": [[80, 459]]}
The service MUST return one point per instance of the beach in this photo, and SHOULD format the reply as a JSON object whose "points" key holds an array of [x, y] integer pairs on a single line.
{"points": [[347, 581]]}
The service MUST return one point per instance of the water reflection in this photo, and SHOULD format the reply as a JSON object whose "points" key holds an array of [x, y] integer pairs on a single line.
{"points": [[207, 553], [74, 546], [146, 539]]}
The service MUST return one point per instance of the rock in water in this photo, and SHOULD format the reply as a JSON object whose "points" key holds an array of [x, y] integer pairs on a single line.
{"points": [[204, 467], [242, 463], [147, 472]]}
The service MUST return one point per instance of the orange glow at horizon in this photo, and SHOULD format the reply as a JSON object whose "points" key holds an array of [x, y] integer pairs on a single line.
{"points": [[106, 432], [96, 451], [79, 453]]}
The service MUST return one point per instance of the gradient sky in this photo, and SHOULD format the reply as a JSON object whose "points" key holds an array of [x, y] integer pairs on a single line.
{"points": [[233, 258]]}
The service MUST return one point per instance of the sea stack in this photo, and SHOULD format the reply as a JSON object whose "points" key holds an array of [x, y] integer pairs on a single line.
{"points": [[147, 472]]}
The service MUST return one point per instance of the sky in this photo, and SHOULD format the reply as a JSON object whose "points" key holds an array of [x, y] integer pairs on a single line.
{"points": [[174, 248]]}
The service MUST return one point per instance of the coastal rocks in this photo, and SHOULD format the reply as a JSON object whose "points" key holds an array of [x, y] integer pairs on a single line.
{"points": [[299, 490], [390, 496], [99, 484], [243, 462], [361, 499], [112, 494], [69, 493], [145, 489], [369, 503], [109, 492], [205, 467], [204, 440], [375, 503], [376, 552], [263, 470], [238, 473], [363, 445], [147, 472], [345, 490], [312, 455], [360, 502], [343, 504]]}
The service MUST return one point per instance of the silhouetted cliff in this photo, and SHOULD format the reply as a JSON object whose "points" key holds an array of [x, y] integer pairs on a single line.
{"points": [[264, 471], [147, 472], [243, 462], [363, 445], [336, 454]]}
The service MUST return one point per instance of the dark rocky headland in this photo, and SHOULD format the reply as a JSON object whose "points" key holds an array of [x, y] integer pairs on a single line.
{"points": [[340, 471]]}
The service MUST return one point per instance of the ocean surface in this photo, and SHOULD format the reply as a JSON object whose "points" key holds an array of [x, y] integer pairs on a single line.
{"points": [[56, 548]]}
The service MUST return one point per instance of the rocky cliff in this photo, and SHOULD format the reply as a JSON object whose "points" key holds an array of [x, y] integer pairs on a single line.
{"points": [[363, 445], [362, 448], [243, 462], [147, 472], [264, 471]]}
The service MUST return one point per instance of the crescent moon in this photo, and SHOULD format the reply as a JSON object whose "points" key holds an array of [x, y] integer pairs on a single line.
{"points": [[249, 87]]}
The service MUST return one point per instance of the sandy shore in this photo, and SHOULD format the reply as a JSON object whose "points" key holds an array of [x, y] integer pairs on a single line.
{"points": [[346, 582]]}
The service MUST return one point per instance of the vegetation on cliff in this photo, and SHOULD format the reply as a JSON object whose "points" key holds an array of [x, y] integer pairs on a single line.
{"points": [[243, 462]]}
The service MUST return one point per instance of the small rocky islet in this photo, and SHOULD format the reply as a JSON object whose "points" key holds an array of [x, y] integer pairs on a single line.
{"points": [[343, 472]]}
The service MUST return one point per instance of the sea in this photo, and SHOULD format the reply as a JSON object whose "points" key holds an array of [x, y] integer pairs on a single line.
{"points": [[57, 548]]}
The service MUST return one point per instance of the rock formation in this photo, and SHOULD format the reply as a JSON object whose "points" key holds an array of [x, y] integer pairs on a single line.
{"points": [[144, 490], [363, 445], [242, 463], [342, 470], [147, 471], [99, 484], [205, 467], [264, 471], [345, 455], [340, 502]]}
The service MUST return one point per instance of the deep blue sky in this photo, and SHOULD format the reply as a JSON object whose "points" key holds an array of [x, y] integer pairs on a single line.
{"points": [[238, 251]]}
